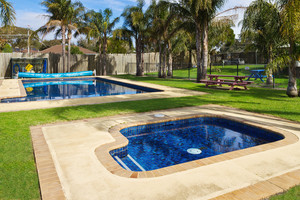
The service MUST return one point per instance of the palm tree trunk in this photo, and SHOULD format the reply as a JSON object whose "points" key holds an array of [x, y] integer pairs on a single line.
{"points": [[139, 70], [100, 56], [63, 32], [190, 58], [142, 59], [164, 62], [170, 61], [104, 54], [198, 52], [160, 58], [69, 51], [291, 90], [269, 71], [205, 50]]}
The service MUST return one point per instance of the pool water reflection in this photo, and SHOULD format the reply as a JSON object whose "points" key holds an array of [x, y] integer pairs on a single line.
{"points": [[74, 88]]}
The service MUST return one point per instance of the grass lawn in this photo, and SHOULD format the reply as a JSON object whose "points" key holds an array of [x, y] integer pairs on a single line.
{"points": [[280, 81], [18, 177]]}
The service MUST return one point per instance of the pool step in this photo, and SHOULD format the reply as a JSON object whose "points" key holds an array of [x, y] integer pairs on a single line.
{"points": [[136, 163], [129, 163]]}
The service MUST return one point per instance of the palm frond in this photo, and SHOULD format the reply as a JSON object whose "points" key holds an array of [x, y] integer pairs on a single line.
{"points": [[7, 13]]}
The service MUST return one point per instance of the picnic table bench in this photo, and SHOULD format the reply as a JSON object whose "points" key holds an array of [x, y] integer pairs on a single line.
{"points": [[214, 79]]}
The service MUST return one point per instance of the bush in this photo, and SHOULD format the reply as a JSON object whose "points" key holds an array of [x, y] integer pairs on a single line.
{"points": [[74, 50], [7, 48]]}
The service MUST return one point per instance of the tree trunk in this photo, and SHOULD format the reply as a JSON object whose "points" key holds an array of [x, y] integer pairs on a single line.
{"points": [[205, 49], [291, 90], [69, 51], [198, 52], [269, 70], [190, 58], [139, 70], [142, 58], [100, 56], [160, 58], [164, 62], [104, 55], [170, 61], [63, 32]]}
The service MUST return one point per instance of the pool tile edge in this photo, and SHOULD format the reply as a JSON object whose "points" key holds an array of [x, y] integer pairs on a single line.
{"points": [[49, 183]]}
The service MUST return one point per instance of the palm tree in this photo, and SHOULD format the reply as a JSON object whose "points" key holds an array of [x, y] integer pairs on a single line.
{"points": [[135, 26], [75, 15], [98, 25], [261, 25], [201, 13], [93, 27], [290, 30], [59, 11], [7, 13], [164, 26], [107, 31]]}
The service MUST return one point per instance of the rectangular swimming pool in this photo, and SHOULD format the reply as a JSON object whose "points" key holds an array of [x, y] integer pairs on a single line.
{"points": [[154, 146], [57, 89]]}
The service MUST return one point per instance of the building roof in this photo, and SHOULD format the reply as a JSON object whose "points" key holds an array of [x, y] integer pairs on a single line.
{"points": [[58, 49], [31, 51], [25, 50]]}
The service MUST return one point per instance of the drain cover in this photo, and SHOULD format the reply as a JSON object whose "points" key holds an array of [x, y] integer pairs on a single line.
{"points": [[159, 115], [194, 151]]}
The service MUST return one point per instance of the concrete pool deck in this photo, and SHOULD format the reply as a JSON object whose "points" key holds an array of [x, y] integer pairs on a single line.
{"points": [[68, 162], [10, 88]]}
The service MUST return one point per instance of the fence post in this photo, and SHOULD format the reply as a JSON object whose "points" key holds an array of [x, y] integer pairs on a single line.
{"points": [[237, 69]]}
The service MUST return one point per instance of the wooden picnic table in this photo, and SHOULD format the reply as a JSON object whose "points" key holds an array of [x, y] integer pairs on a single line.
{"points": [[217, 79]]}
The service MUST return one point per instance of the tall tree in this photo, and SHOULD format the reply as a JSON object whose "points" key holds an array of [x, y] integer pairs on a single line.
{"points": [[201, 13], [7, 13], [261, 25], [164, 26], [93, 27], [58, 14], [75, 15], [290, 30], [98, 25], [108, 26], [135, 26]]}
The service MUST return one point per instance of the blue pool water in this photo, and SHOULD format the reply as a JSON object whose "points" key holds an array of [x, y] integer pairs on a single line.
{"points": [[56, 89], [155, 146]]}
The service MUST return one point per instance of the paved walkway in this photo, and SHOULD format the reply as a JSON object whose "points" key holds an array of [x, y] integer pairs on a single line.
{"points": [[11, 87], [69, 167]]}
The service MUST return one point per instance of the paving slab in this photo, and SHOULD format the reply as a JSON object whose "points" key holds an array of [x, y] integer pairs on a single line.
{"points": [[258, 172], [11, 88]]}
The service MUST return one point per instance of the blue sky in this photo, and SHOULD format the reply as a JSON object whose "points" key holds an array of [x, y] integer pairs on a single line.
{"points": [[31, 12]]}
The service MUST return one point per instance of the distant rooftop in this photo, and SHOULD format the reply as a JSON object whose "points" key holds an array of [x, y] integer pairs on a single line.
{"points": [[58, 49]]}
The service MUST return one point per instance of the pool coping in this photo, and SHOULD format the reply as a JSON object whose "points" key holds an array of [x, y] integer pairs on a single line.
{"points": [[107, 160], [20, 91], [51, 187], [164, 92]]}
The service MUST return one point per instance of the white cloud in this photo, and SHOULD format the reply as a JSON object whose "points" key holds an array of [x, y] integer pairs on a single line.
{"points": [[240, 12], [33, 19]]}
